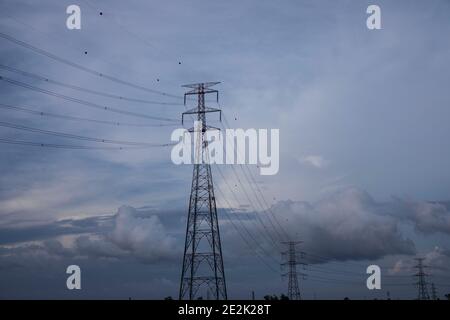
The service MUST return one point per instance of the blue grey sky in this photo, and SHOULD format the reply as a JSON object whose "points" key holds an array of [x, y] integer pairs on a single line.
{"points": [[363, 119]]}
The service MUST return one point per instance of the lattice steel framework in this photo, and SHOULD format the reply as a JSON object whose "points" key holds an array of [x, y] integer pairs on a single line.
{"points": [[421, 283], [292, 262], [203, 274]]}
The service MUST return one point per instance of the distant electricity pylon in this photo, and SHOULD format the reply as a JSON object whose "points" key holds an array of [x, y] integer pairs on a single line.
{"points": [[202, 271], [292, 262], [434, 295], [421, 280]]}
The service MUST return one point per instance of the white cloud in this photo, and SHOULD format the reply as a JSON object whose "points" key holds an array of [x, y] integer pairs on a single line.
{"points": [[314, 160], [438, 259], [436, 262], [126, 234], [98, 247], [145, 238]]}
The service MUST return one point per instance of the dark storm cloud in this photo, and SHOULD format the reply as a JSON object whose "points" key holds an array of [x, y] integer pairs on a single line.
{"points": [[126, 234], [436, 261], [427, 217], [54, 229], [346, 225]]}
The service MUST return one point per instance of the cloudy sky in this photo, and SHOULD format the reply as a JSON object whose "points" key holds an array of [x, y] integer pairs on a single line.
{"points": [[363, 119]]}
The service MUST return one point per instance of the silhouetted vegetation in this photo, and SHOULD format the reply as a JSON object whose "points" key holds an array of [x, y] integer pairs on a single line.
{"points": [[275, 297]]}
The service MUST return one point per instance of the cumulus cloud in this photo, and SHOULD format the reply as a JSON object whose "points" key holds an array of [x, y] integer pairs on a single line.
{"points": [[436, 262], [55, 247], [98, 248], [314, 161], [344, 225], [427, 217], [439, 259], [132, 235], [347, 224], [146, 238], [35, 255], [127, 234]]}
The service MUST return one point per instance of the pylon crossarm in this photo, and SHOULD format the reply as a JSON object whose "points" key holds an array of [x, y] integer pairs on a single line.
{"points": [[201, 91], [204, 84], [207, 128], [196, 111]]}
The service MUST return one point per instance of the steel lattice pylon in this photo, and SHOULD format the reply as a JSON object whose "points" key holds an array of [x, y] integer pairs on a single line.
{"points": [[291, 263], [202, 260], [421, 283]]}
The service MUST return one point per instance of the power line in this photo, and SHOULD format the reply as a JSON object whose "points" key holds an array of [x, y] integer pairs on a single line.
{"points": [[272, 237], [83, 102], [283, 231], [267, 234], [83, 68], [281, 228], [335, 271], [315, 258], [360, 265], [347, 272], [60, 146], [58, 37], [263, 198], [332, 280], [72, 136], [67, 117], [257, 198], [250, 219], [95, 92], [114, 20], [259, 202], [262, 233], [244, 228]]}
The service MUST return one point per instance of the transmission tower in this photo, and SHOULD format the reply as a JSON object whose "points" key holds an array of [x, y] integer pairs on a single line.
{"points": [[292, 262], [434, 295], [421, 280], [202, 271]]}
